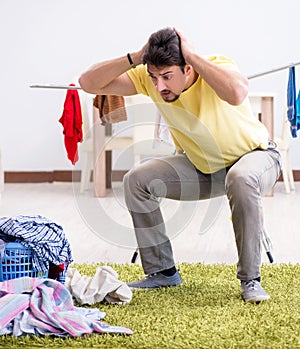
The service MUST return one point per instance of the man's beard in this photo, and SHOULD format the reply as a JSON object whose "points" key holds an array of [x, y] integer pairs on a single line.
{"points": [[167, 99]]}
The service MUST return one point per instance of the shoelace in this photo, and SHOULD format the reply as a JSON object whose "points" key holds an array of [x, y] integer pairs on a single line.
{"points": [[252, 284]]}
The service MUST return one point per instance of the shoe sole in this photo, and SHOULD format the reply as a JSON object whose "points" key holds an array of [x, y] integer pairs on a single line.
{"points": [[151, 288], [257, 299]]}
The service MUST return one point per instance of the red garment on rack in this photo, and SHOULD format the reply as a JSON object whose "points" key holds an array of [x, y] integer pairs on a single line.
{"points": [[71, 120]]}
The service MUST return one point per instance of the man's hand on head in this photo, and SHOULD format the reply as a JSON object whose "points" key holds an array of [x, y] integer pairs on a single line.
{"points": [[187, 48]]}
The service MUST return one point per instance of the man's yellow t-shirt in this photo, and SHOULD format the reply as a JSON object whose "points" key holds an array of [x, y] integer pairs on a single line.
{"points": [[212, 133]]}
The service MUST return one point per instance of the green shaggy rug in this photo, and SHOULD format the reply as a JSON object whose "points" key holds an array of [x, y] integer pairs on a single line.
{"points": [[206, 312]]}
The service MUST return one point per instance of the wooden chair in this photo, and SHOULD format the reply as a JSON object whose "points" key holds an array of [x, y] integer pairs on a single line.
{"points": [[283, 145], [144, 122], [98, 161], [146, 125]]}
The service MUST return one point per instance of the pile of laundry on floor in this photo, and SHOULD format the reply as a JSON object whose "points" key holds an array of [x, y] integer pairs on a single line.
{"points": [[44, 306]]}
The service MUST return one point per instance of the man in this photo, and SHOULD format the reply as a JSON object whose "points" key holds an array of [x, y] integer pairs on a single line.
{"points": [[221, 149]]}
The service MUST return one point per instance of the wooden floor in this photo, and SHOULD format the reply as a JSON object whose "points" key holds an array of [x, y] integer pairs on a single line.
{"points": [[100, 229]]}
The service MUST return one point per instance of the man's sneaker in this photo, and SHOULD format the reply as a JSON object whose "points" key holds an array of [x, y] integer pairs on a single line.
{"points": [[157, 280], [253, 292]]}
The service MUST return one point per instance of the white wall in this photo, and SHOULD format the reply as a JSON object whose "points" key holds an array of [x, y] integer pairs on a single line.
{"points": [[51, 41]]}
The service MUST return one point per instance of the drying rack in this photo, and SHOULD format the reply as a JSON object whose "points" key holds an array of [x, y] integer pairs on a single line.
{"points": [[67, 87]]}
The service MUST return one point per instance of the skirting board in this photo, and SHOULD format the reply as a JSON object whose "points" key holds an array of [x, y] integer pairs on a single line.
{"points": [[53, 176], [69, 176]]}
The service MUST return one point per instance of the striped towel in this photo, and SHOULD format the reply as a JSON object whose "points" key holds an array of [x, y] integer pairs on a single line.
{"points": [[111, 108], [49, 309]]}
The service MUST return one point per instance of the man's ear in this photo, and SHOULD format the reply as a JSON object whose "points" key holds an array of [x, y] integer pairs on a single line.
{"points": [[188, 69]]}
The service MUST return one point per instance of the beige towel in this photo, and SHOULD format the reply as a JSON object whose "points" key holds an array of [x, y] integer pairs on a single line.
{"points": [[104, 285], [111, 108]]}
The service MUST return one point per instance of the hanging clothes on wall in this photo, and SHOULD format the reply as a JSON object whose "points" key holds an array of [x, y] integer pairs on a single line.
{"points": [[293, 108], [71, 120]]}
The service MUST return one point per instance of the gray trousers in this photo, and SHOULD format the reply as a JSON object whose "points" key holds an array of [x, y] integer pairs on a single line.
{"points": [[175, 177]]}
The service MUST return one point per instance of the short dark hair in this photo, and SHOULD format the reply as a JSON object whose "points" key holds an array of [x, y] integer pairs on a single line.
{"points": [[163, 49]]}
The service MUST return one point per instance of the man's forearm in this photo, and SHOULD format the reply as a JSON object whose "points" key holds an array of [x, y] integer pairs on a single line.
{"points": [[230, 85], [100, 75]]}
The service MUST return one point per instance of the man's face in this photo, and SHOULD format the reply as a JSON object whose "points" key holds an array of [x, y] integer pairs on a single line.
{"points": [[169, 81]]}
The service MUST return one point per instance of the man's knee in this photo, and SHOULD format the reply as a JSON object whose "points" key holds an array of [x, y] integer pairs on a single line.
{"points": [[136, 180], [142, 180], [130, 180]]}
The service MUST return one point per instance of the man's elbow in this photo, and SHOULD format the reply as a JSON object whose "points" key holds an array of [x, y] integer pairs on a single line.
{"points": [[85, 83], [239, 94], [88, 84], [239, 97]]}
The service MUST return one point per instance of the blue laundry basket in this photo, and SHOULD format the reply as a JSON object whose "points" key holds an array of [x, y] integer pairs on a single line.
{"points": [[17, 262]]}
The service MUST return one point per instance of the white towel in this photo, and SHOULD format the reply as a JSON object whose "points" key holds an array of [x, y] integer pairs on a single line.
{"points": [[103, 285]]}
